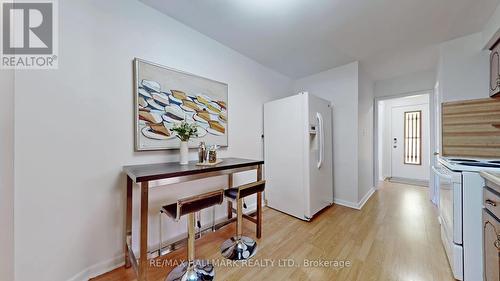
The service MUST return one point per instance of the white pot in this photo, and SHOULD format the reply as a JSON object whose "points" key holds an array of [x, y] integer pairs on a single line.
{"points": [[184, 153]]}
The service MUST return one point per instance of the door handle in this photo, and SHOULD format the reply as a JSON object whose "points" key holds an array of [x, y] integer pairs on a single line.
{"points": [[321, 139]]}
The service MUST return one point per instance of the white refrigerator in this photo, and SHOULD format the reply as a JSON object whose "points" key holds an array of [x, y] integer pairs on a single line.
{"points": [[298, 155]]}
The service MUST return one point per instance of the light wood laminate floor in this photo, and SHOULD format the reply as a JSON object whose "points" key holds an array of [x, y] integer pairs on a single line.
{"points": [[394, 237]]}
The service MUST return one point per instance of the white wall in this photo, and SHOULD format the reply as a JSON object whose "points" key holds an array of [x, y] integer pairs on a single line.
{"points": [[491, 29], [384, 128], [414, 82], [365, 136], [7, 175], [340, 86], [463, 69], [74, 132]]}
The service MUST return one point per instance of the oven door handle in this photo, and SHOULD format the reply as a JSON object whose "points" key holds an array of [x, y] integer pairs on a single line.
{"points": [[440, 174]]}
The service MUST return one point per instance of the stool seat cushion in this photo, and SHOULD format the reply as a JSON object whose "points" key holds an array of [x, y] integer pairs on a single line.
{"points": [[245, 190], [170, 210], [194, 204], [231, 193]]}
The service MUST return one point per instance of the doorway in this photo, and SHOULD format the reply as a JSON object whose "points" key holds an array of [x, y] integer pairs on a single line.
{"points": [[403, 138]]}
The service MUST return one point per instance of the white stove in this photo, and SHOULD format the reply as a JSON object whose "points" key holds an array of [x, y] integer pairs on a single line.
{"points": [[460, 212], [470, 164]]}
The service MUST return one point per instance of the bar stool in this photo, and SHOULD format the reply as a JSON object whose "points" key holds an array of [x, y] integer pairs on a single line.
{"points": [[241, 247], [192, 270]]}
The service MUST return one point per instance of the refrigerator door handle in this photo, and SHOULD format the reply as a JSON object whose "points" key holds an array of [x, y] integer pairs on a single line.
{"points": [[320, 139]]}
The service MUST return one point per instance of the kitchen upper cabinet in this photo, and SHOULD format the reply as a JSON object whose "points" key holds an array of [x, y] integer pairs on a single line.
{"points": [[495, 69]]}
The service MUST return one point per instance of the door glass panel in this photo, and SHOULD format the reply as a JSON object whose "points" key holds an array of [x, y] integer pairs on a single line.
{"points": [[413, 138]]}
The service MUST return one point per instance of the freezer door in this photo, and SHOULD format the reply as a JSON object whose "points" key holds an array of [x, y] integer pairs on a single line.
{"points": [[285, 162], [319, 153]]}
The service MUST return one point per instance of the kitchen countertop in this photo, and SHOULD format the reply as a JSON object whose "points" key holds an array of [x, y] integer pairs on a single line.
{"points": [[492, 176], [149, 172]]}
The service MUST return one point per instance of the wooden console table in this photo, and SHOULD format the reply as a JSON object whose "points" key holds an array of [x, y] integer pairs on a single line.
{"points": [[172, 173]]}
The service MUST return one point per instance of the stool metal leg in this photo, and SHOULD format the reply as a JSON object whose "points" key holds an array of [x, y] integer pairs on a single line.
{"points": [[213, 219], [192, 270], [161, 236], [239, 247]]}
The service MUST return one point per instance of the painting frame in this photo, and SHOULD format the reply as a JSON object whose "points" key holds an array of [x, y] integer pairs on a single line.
{"points": [[173, 143]]}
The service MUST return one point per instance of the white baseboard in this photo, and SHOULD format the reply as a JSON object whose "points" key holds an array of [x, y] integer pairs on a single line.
{"points": [[99, 269], [424, 183], [357, 205], [345, 203], [365, 198]]}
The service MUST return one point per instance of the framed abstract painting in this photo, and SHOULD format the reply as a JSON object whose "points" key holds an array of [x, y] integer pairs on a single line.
{"points": [[165, 97]]}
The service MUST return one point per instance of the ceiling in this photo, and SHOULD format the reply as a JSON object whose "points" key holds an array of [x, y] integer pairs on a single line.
{"points": [[302, 37]]}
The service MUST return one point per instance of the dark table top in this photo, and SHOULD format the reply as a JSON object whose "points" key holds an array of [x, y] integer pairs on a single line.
{"points": [[141, 173]]}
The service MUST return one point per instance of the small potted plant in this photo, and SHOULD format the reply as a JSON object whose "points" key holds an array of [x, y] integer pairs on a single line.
{"points": [[184, 131]]}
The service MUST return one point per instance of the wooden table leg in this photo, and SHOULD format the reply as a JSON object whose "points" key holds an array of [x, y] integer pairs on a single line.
{"points": [[229, 203], [128, 220], [259, 204], [143, 260]]}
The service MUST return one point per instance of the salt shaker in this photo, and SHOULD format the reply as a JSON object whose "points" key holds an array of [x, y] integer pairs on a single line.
{"points": [[212, 154]]}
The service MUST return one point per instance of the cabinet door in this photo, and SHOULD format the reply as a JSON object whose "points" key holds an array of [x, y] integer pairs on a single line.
{"points": [[491, 233], [495, 70]]}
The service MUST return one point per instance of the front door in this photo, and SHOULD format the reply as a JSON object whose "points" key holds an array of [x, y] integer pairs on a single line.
{"points": [[410, 142]]}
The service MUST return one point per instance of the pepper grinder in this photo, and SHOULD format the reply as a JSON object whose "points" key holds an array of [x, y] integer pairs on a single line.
{"points": [[202, 152]]}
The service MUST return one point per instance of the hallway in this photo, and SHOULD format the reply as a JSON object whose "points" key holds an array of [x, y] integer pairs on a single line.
{"points": [[394, 237]]}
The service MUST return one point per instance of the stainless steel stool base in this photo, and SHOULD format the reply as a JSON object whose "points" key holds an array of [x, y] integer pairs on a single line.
{"points": [[239, 249], [198, 270]]}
